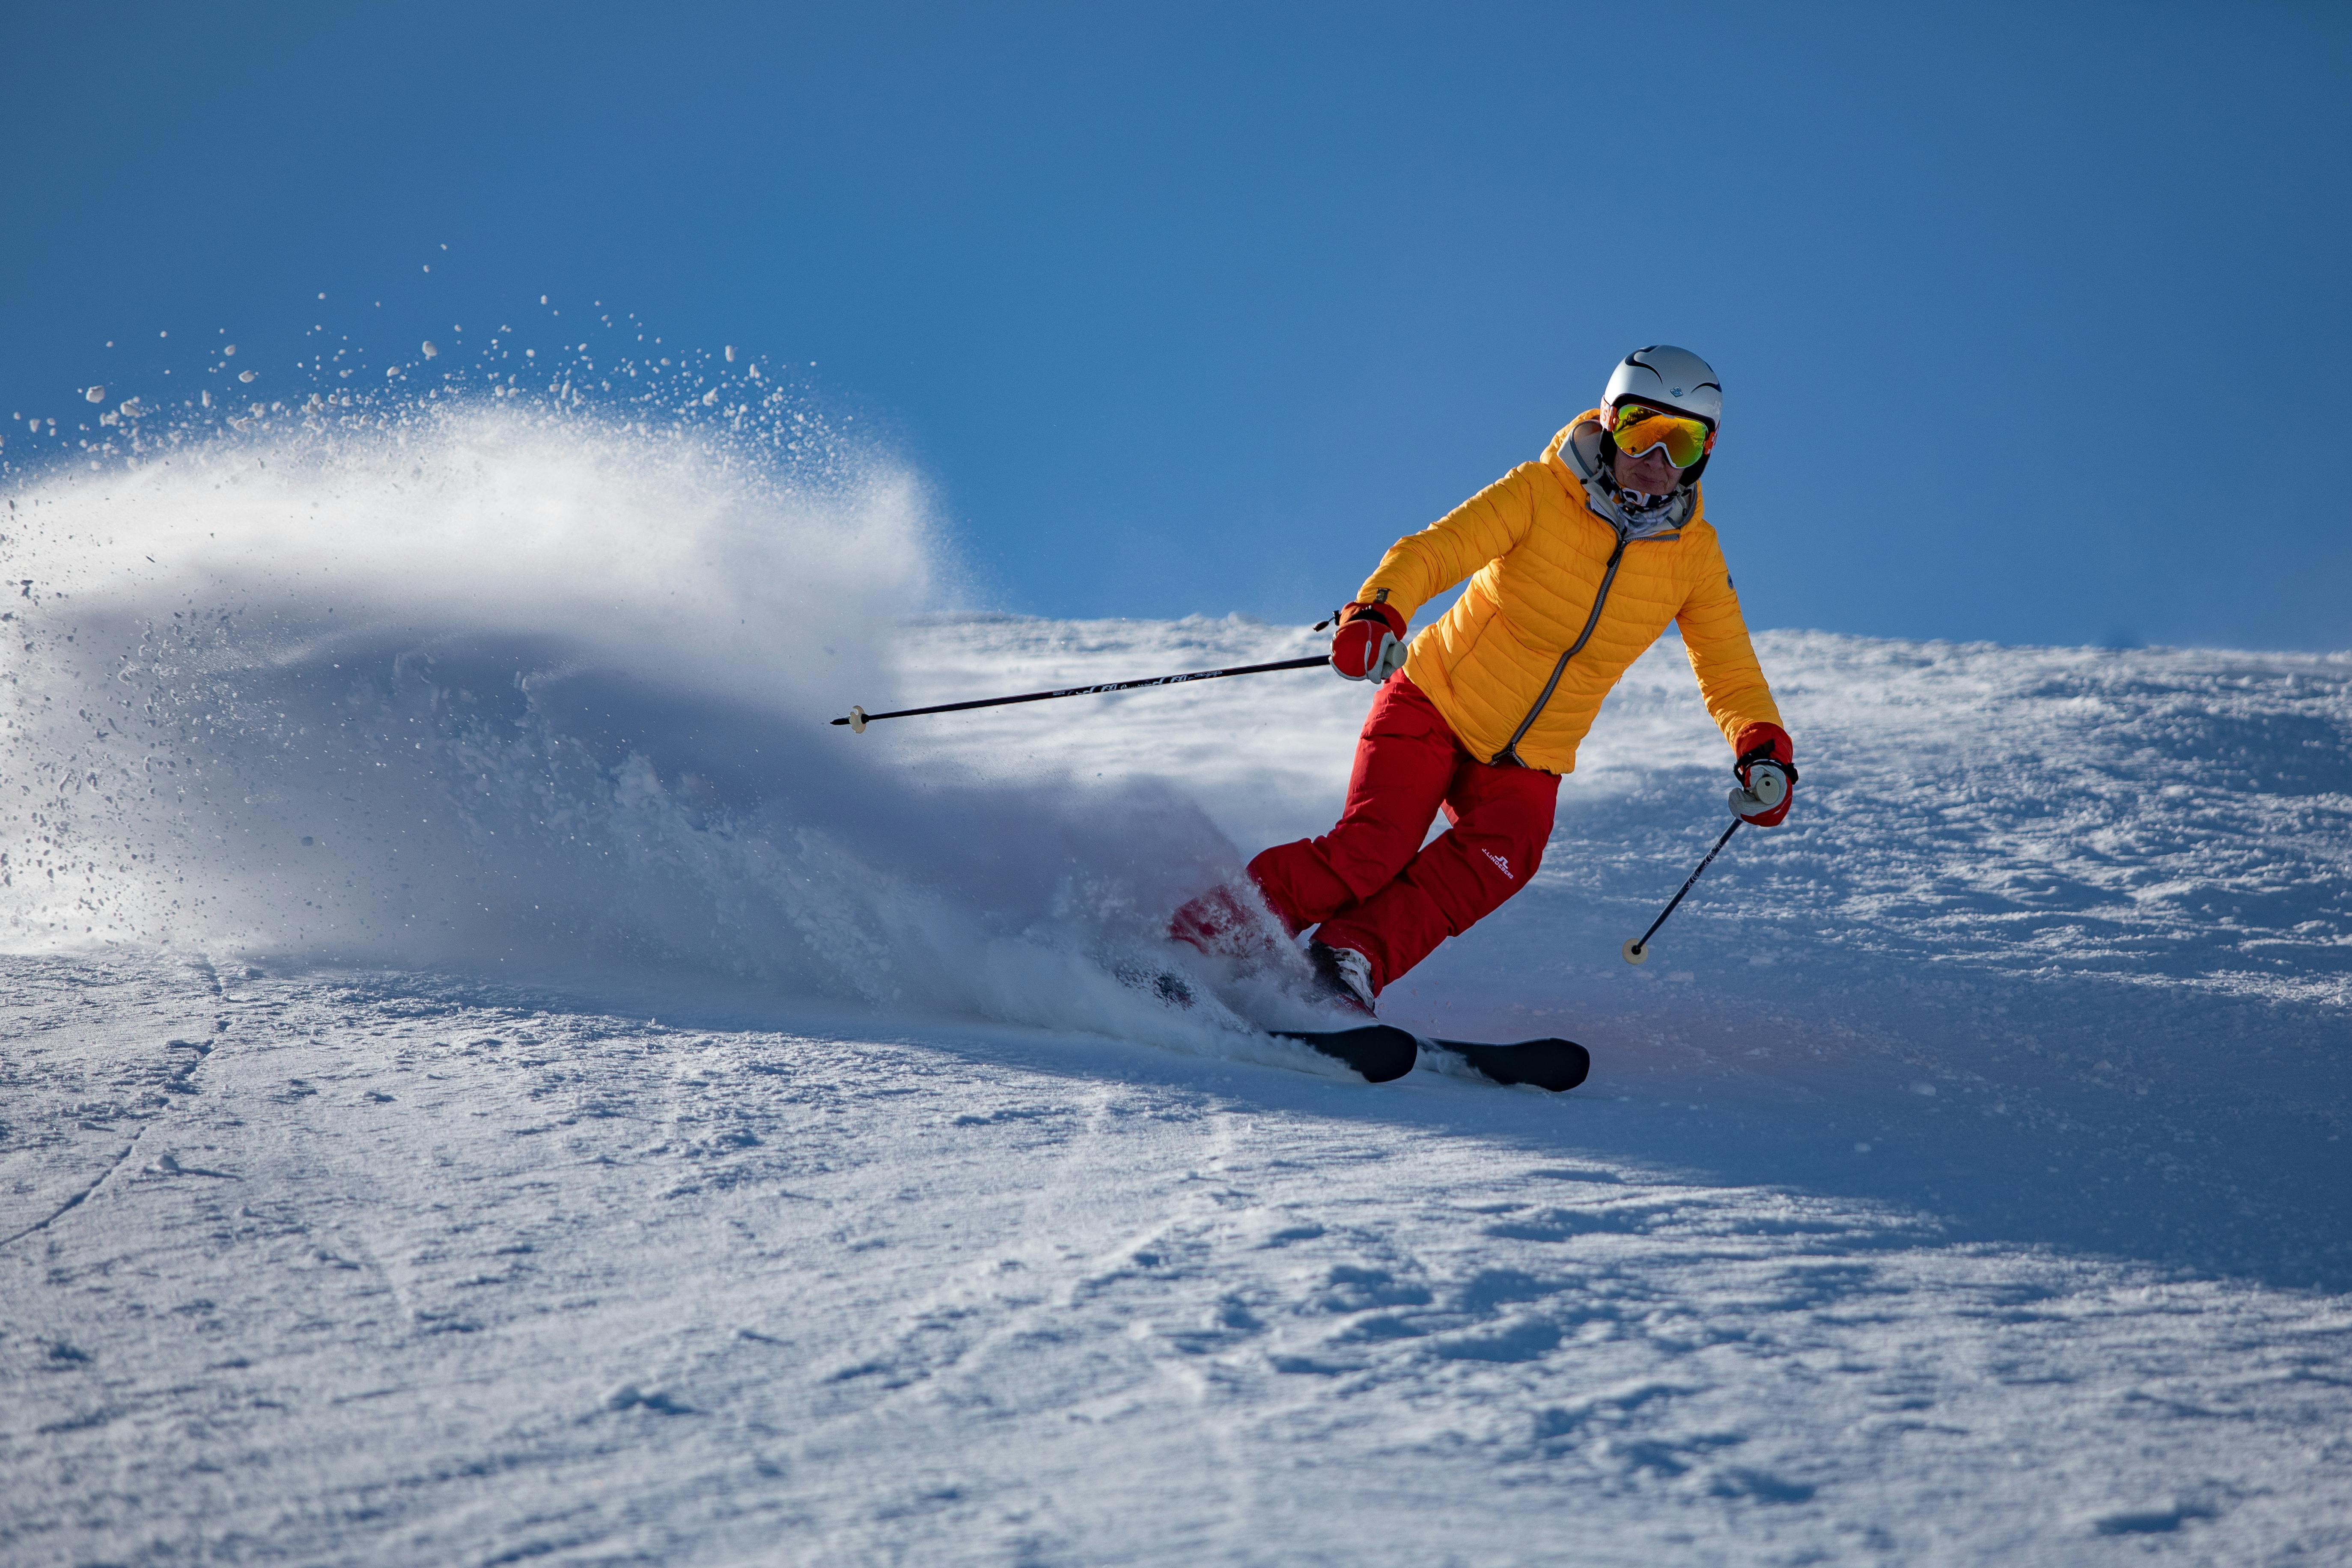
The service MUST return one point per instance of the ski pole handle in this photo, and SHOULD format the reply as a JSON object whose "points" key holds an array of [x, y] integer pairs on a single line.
{"points": [[1769, 786]]}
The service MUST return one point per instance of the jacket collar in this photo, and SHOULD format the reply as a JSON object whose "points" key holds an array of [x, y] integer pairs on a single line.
{"points": [[1577, 452]]}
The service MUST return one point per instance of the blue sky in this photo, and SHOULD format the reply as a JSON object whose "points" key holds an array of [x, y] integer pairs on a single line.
{"points": [[2032, 321]]}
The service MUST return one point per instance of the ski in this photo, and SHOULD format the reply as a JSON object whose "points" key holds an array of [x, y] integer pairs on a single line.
{"points": [[1552, 1064], [1376, 1050], [1383, 1053]]}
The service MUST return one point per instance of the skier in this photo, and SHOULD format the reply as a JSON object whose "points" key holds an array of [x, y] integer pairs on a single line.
{"points": [[1577, 563]]}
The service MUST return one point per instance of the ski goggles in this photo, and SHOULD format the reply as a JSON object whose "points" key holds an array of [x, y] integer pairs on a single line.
{"points": [[1636, 429]]}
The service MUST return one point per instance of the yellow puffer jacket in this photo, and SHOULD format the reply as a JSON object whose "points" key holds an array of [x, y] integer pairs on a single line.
{"points": [[1546, 552]]}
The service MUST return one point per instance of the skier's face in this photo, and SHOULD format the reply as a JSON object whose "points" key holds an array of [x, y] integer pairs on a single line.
{"points": [[1650, 473]]}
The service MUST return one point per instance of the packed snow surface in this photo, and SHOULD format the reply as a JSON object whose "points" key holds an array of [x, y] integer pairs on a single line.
{"points": [[492, 1075]]}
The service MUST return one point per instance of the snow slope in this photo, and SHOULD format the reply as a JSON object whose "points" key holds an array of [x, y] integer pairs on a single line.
{"points": [[491, 1075]]}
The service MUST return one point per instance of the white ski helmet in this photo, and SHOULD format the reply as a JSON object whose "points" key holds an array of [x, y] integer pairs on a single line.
{"points": [[1669, 378]]}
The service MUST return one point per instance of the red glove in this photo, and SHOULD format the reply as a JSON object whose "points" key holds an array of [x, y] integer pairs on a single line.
{"points": [[1767, 771], [1370, 643]]}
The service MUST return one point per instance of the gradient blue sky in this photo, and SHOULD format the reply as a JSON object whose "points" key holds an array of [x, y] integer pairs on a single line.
{"points": [[2032, 321]]}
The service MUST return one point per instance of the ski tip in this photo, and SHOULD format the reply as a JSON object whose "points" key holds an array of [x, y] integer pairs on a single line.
{"points": [[1553, 1065]]}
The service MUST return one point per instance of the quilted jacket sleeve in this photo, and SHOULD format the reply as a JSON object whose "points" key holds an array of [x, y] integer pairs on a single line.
{"points": [[1420, 566], [1730, 681]]}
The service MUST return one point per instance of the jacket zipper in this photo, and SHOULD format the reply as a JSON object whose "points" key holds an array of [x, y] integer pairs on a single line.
{"points": [[1510, 754]]}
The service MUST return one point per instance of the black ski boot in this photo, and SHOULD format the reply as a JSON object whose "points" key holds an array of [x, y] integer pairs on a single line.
{"points": [[1344, 975]]}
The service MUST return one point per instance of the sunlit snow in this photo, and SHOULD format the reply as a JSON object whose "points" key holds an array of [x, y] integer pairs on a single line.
{"points": [[490, 1074]]}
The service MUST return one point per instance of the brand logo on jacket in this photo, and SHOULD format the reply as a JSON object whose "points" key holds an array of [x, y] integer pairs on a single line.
{"points": [[1500, 864]]}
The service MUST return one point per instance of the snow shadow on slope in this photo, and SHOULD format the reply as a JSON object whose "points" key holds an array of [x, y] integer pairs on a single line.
{"points": [[2061, 934], [2057, 945]]}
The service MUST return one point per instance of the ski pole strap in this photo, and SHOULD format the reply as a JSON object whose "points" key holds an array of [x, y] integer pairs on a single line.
{"points": [[1688, 885], [858, 718]]}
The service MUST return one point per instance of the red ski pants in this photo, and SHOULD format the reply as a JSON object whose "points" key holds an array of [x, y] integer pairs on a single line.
{"points": [[1369, 883]]}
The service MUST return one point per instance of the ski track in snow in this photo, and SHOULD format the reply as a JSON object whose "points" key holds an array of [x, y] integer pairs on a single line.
{"points": [[1962, 1182]]}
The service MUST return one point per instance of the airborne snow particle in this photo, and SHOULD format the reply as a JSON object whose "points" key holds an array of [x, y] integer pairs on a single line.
{"points": [[731, 354], [244, 375], [229, 349], [96, 394], [429, 350]]}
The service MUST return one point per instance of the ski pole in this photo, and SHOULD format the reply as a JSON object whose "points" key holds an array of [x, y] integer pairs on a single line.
{"points": [[859, 718], [1637, 949]]}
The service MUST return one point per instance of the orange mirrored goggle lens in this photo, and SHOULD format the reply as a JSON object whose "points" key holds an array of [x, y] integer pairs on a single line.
{"points": [[1637, 429]]}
